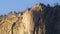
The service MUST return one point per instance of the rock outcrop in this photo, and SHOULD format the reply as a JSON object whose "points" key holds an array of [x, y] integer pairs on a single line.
{"points": [[38, 19]]}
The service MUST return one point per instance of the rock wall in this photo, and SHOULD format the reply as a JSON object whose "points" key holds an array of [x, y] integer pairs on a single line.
{"points": [[38, 19]]}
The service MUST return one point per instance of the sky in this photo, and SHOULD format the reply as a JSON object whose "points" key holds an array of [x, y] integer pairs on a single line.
{"points": [[7, 6]]}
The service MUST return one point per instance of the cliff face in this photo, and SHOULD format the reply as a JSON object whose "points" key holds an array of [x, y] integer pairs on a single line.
{"points": [[39, 19]]}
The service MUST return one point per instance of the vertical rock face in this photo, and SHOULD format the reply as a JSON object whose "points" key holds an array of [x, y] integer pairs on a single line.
{"points": [[27, 19], [39, 19]]}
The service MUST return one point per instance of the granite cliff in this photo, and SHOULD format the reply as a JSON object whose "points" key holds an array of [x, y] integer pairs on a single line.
{"points": [[39, 19]]}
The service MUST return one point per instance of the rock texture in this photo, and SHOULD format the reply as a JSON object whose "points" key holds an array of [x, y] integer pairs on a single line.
{"points": [[38, 19]]}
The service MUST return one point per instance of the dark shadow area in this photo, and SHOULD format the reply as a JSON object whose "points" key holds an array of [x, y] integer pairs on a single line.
{"points": [[13, 25]]}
